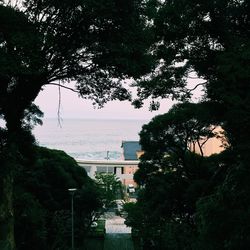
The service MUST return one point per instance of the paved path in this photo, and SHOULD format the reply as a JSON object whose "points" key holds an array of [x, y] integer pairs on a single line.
{"points": [[115, 225], [118, 242], [118, 235]]}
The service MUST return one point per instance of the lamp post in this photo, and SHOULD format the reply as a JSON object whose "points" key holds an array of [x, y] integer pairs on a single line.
{"points": [[72, 191]]}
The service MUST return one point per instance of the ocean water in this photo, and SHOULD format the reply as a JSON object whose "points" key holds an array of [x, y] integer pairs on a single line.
{"points": [[88, 139]]}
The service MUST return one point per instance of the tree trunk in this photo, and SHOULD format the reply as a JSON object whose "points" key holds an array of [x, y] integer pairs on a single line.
{"points": [[10, 154], [7, 241], [9, 157]]}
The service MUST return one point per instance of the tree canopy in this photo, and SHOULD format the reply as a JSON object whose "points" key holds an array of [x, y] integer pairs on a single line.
{"points": [[208, 41], [95, 44], [42, 202], [176, 180], [162, 44]]}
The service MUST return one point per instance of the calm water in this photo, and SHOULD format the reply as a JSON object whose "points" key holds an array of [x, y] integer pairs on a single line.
{"points": [[88, 139]]}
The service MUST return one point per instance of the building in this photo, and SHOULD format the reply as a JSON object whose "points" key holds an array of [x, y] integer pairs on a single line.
{"points": [[109, 166], [131, 152], [124, 169], [209, 146]]}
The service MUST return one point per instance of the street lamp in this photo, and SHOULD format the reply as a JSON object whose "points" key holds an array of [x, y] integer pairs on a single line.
{"points": [[72, 191]]}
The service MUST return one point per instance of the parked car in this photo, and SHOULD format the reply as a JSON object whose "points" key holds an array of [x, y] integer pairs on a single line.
{"points": [[94, 224], [131, 188]]}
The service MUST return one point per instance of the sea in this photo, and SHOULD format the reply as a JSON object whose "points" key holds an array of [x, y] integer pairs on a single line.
{"points": [[88, 139]]}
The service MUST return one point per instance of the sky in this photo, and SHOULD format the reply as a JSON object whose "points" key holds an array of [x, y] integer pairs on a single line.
{"points": [[74, 107]]}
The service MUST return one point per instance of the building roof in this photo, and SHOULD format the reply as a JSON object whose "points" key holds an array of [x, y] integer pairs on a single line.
{"points": [[129, 149]]}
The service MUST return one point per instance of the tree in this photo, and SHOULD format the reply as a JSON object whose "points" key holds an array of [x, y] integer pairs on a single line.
{"points": [[110, 185], [223, 216], [171, 136], [42, 202], [97, 44], [89, 43], [209, 41], [174, 177]]}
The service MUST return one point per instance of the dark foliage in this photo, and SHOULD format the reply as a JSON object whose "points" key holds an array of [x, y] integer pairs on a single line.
{"points": [[202, 201], [42, 202], [96, 44], [174, 177]]}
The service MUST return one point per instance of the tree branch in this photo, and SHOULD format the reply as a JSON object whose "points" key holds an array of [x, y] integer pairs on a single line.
{"points": [[59, 85], [200, 147], [209, 137], [200, 84]]}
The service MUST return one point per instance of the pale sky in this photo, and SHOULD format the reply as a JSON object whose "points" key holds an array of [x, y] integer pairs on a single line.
{"points": [[74, 107]]}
